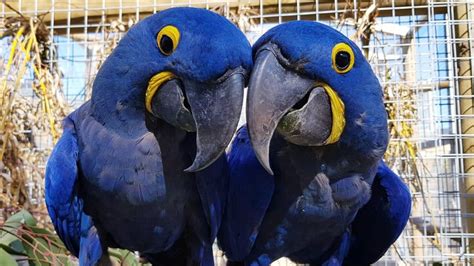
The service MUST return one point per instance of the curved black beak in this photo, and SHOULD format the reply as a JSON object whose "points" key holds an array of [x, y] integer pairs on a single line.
{"points": [[300, 108], [216, 111], [211, 109]]}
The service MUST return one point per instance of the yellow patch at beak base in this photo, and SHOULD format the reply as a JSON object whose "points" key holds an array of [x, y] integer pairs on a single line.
{"points": [[154, 84], [338, 114]]}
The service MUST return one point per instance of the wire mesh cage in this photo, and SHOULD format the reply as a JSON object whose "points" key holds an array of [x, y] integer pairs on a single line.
{"points": [[420, 50]]}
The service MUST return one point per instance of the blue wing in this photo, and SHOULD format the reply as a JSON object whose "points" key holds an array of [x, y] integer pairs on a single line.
{"points": [[64, 206], [381, 221], [250, 192]]}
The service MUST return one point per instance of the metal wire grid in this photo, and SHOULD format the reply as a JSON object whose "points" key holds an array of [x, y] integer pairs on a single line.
{"points": [[419, 48]]}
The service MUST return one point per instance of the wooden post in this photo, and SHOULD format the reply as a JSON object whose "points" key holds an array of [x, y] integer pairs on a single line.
{"points": [[462, 13]]}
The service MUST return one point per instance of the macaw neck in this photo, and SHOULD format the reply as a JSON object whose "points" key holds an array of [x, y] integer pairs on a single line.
{"points": [[366, 133], [118, 97], [121, 115]]}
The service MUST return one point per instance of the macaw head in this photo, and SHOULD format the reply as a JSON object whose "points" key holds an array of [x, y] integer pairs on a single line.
{"points": [[183, 66], [314, 87]]}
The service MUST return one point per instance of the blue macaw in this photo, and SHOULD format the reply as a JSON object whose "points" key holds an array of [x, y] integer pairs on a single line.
{"points": [[303, 168], [123, 174]]}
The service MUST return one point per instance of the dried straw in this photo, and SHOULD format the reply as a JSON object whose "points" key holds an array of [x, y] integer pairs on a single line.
{"points": [[28, 125]]}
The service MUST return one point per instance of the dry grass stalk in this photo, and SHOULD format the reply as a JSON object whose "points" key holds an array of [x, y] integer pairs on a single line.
{"points": [[242, 17], [28, 125]]}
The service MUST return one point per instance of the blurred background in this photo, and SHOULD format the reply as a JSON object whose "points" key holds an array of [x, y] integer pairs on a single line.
{"points": [[421, 51]]}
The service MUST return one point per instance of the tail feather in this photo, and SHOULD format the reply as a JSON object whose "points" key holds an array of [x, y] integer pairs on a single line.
{"points": [[90, 250]]}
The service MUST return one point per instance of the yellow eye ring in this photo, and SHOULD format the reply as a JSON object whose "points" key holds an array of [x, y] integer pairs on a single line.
{"points": [[168, 39], [342, 58]]}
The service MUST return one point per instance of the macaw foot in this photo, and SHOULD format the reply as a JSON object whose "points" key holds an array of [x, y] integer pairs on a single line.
{"points": [[321, 205], [316, 202], [351, 191], [317, 218], [322, 202]]}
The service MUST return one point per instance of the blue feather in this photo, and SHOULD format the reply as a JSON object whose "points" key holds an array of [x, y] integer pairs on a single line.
{"points": [[250, 191], [381, 221], [64, 205]]}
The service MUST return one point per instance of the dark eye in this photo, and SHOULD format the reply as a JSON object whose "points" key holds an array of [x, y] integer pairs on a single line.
{"points": [[168, 39], [166, 44], [343, 60]]}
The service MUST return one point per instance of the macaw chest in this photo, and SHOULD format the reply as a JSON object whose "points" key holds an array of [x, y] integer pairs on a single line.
{"points": [[310, 210], [133, 203]]}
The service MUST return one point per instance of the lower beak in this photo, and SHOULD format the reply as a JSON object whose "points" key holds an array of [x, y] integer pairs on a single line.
{"points": [[304, 112]]}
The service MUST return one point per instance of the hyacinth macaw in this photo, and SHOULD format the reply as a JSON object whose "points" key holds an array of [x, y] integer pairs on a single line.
{"points": [[140, 166], [305, 166]]}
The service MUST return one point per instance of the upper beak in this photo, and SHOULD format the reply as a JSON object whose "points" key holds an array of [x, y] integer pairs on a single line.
{"points": [[211, 109], [304, 111]]}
